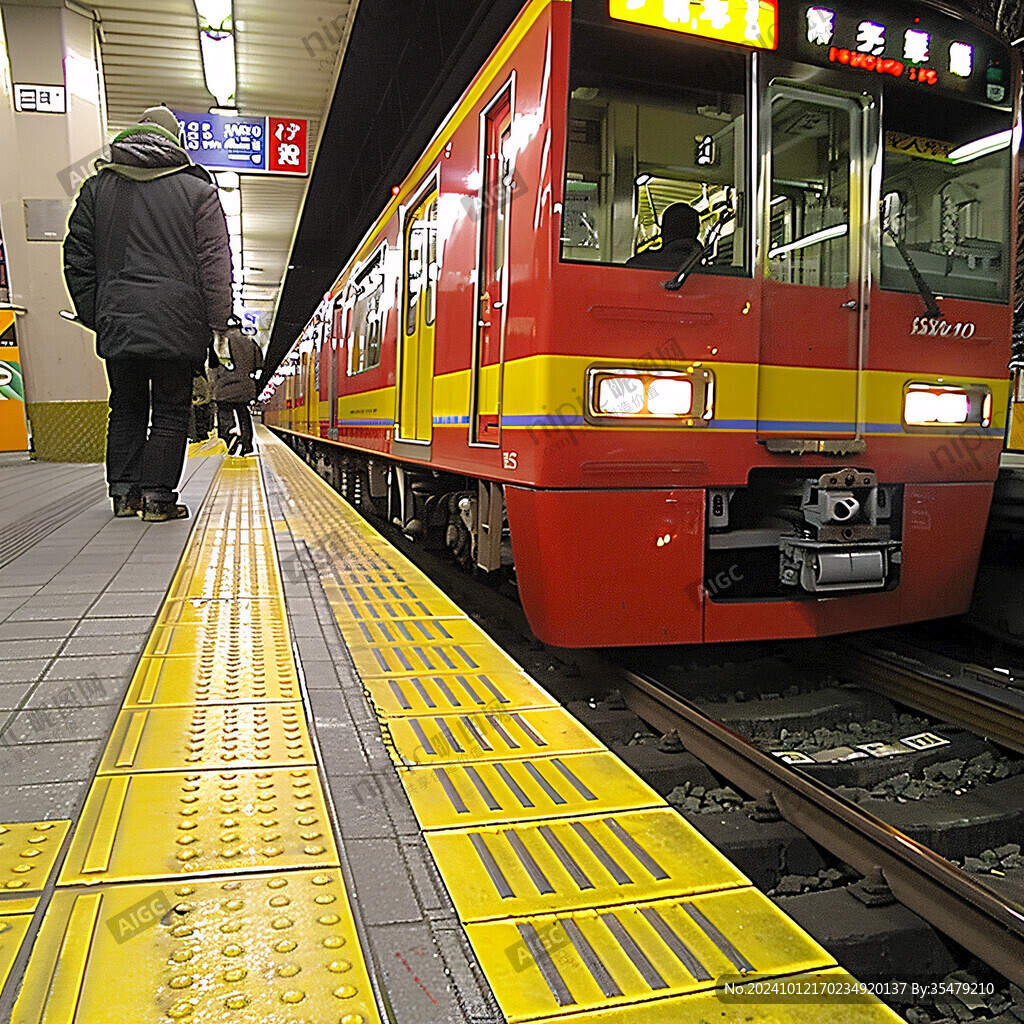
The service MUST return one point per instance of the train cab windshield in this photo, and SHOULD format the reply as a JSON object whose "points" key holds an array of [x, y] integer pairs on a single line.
{"points": [[654, 166], [945, 209]]}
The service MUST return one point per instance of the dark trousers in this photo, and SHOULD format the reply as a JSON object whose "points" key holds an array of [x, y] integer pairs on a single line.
{"points": [[227, 412], [148, 428]]}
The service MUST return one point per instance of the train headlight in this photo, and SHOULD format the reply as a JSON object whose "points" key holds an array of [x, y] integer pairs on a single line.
{"points": [[937, 405], [683, 397]]}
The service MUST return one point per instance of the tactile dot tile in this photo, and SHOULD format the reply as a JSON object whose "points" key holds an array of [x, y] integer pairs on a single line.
{"points": [[209, 736], [28, 851], [261, 949], [200, 822]]}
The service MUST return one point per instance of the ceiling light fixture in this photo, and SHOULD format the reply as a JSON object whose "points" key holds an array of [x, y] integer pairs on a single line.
{"points": [[217, 45]]}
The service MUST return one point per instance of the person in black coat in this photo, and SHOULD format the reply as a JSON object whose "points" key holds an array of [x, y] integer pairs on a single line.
{"points": [[147, 264], [234, 386], [680, 227]]}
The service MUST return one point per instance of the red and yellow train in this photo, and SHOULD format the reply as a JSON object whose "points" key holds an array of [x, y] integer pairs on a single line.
{"points": [[698, 312]]}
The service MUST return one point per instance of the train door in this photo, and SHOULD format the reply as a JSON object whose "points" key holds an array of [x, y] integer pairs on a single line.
{"points": [[492, 281], [336, 362], [814, 328], [416, 327]]}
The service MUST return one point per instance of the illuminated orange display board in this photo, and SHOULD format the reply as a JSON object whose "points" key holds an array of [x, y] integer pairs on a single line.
{"points": [[746, 22], [13, 435]]}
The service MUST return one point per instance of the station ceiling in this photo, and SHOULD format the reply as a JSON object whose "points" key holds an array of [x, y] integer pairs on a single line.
{"points": [[374, 78]]}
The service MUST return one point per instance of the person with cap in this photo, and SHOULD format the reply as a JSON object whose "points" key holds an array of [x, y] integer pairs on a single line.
{"points": [[233, 379], [147, 264]]}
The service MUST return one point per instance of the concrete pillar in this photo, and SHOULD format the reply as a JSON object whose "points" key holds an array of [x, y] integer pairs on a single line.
{"points": [[43, 159]]}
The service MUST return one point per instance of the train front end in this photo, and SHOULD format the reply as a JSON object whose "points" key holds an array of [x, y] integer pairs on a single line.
{"points": [[768, 398]]}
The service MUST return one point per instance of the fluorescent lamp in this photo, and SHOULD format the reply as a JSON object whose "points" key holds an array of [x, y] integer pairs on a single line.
{"points": [[981, 147], [813, 239], [218, 49], [214, 14]]}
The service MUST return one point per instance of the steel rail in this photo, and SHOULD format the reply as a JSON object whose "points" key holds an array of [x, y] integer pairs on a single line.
{"points": [[972, 703], [924, 882]]}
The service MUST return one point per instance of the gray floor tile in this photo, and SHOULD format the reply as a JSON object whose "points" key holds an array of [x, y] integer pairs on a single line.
{"points": [[12, 695], [59, 724], [43, 802], [32, 763], [22, 671], [111, 626], [32, 630], [382, 881], [17, 650], [73, 693], [88, 667], [145, 604], [113, 643]]}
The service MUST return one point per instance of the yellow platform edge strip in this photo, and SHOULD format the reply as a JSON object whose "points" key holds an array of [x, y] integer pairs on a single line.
{"points": [[497, 866]]}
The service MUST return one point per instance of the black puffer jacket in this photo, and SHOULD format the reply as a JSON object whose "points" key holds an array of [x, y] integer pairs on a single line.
{"points": [[146, 257], [233, 379]]}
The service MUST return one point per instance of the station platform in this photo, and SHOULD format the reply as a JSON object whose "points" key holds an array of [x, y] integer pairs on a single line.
{"points": [[256, 767]]}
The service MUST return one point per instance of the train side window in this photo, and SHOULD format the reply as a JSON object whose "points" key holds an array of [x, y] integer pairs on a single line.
{"points": [[421, 268], [369, 316], [642, 137]]}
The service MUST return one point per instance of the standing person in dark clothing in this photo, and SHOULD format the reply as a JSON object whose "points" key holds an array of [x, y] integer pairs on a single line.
{"points": [[147, 263], [234, 387]]}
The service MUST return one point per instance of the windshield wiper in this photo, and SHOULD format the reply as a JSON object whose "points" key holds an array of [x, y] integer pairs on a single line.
{"points": [[931, 306]]}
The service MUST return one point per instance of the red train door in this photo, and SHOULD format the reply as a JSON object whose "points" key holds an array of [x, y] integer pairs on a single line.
{"points": [[814, 327], [492, 282]]}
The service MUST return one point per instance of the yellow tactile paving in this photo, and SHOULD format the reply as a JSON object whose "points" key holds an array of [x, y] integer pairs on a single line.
{"points": [[566, 864], [398, 696], [455, 796], [609, 955], [414, 659], [251, 949], [28, 851], [200, 822], [811, 999], [13, 929], [238, 735], [580, 889], [496, 735], [202, 880], [204, 679]]}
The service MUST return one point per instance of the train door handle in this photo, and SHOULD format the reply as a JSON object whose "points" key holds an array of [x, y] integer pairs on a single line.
{"points": [[849, 304]]}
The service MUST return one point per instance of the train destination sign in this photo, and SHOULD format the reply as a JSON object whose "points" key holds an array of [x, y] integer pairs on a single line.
{"points": [[747, 22], [248, 145], [926, 48]]}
